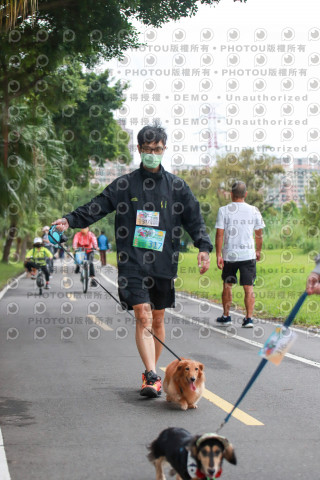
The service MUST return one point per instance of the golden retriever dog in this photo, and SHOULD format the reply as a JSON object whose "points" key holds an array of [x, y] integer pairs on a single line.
{"points": [[184, 382]]}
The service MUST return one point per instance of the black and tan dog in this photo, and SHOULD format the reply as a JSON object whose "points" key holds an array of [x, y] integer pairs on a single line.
{"points": [[191, 457]]}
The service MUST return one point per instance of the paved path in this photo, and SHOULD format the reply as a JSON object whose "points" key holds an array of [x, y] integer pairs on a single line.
{"points": [[70, 376]]}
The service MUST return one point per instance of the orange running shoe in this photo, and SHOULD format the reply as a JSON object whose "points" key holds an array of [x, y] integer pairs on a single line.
{"points": [[151, 385]]}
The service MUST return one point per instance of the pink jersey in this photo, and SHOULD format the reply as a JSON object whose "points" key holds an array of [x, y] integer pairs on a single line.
{"points": [[87, 241]]}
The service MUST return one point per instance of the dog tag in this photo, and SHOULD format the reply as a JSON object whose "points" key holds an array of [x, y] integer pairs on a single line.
{"points": [[278, 344]]}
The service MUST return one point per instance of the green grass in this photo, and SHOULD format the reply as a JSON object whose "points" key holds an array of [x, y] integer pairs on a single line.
{"points": [[8, 270], [281, 278]]}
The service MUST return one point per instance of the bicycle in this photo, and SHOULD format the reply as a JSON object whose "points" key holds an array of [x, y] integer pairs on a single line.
{"points": [[81, 259], [39, 278]]}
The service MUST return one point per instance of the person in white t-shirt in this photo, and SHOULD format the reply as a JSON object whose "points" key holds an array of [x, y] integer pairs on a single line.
{"points": [[238, 246]]}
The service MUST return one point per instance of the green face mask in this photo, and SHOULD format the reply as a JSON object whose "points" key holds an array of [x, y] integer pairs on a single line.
{"points": [[151, 160]]}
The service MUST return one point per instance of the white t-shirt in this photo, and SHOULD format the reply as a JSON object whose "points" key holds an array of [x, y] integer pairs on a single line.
{"points": [[239, 220]]}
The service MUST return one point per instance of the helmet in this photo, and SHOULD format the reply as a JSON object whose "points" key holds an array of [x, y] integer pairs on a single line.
{"points": [[37, 240], [45, 228]]}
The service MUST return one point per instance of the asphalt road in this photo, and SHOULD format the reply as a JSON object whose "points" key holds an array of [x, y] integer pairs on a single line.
{"points": [[70, 377]]}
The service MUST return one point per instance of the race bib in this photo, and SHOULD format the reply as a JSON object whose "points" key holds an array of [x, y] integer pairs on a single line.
{"points": [[148, 218], [149, 238]]}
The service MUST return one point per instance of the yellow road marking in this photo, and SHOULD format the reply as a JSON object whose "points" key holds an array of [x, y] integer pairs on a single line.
{"points": [[71, 296], [227, 407], [100, 324]]}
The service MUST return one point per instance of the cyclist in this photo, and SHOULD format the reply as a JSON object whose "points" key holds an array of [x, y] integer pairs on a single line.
{"points": [[47, 244], [88, 241], [38, 256]]}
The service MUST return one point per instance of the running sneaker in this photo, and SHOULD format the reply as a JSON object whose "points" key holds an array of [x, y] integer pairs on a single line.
{"points": [[247, 323], [47, 286], [224, 321], [93, 283], [151, 385]]}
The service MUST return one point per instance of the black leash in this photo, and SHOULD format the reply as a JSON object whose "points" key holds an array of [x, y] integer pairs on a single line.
{"points": [[57, 238]]}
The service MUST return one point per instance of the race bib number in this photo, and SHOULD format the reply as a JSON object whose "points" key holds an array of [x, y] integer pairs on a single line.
{"points": [[278, 344], [150, 238], [148, 218]]}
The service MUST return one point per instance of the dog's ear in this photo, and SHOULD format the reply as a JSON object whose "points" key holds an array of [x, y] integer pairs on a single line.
{"points": [[229, 454], [181, 364], [201, 366], [193, 446]]}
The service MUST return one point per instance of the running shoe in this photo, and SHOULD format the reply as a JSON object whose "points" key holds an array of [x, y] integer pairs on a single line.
{"points": [[247, 323], [151, 385], [224, 321]]}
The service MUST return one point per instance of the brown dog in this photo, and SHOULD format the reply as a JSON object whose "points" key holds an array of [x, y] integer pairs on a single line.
{"points": [[184, 382]]}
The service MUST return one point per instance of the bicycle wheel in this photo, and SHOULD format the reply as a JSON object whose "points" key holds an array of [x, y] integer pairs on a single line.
{"points": [[40, 282], [85, 276]]}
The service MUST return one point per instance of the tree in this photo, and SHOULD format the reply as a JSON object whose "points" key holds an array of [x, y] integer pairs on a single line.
{"points": [[31, 53], [33, 172], [11, 10], [89, 129]]}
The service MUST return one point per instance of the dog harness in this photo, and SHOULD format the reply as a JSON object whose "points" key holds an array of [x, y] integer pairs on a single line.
{"points": [[193, 470]]}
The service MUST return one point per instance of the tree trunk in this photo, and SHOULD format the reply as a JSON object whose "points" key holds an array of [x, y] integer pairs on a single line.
{"points": [[19, 242], [23, 249], [5, 119], [10, 237]]}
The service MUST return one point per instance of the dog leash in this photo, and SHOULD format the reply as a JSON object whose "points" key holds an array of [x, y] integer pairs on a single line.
{"points": [[263, 362], [57, 238]]}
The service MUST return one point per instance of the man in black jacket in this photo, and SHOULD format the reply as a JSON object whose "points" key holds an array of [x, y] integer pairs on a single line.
{"points": [[152, 207]]}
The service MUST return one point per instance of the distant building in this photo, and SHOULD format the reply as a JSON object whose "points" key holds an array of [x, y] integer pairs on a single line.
{"points": [[131, 145], [293, 184], [109, 171]]}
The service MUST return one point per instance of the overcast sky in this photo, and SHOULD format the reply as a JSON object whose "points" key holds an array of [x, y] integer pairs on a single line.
{"points": [[235, 75]]}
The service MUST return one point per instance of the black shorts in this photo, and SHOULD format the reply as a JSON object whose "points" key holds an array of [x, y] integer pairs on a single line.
{"points": [[158, 292], [247, 270]]}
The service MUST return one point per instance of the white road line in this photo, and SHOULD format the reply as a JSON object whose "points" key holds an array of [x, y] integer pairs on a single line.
{"points": [[4, 470], [110, 281], [262, 320], [7, 287], [225, 331], [241, 339]]}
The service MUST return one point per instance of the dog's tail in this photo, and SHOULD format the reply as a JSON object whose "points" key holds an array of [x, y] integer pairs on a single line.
{"points": [[155, 450]]}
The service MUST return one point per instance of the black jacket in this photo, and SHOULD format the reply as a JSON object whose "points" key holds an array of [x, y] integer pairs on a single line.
{"points": [[161, 192]]}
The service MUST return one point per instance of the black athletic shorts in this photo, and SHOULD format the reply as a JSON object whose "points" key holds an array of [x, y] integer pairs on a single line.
{"points": [[247, 270], [158, 292]]}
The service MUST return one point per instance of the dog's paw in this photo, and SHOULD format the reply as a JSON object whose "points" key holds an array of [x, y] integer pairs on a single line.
{"points": [[192, 406], [184, 406]]}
